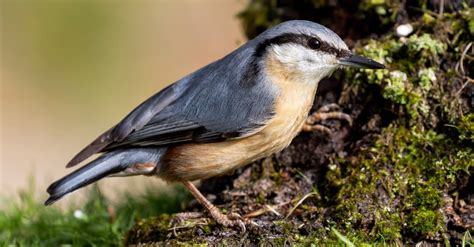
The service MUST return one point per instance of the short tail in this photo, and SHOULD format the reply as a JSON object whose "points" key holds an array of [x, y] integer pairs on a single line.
{"points": [[111, 163]]}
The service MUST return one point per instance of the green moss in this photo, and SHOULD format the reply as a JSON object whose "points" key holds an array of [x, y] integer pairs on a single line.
{"points": [[466, 127], [258, 16], [413, 79], [157, 230], [402, 164], [397, 85], [389, 228], [384, 10], [426, 197], [396, 88], [426, 44], [151, 228], [424, 222], [471, 26]]}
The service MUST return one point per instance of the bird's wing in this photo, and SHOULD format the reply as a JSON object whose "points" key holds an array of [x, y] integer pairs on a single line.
{"points": [[133, 121], [226, 99], [212, 110], [173, 130]]}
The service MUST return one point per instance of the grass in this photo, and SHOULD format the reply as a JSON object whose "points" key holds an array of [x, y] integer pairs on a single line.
{"points": [[97, 222], [343, 239]]}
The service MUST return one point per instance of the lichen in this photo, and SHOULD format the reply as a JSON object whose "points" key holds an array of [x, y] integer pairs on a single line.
{"points": [[428, 46], [426, 77]]}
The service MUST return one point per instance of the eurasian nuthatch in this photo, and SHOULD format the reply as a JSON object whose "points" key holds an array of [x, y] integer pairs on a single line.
{"points": [[234, 111]]}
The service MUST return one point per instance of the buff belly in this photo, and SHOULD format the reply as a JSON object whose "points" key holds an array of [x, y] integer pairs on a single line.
{"points": [[199, 161]]}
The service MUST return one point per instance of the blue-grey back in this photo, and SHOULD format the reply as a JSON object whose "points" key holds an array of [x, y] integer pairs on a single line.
{"points": [[229, 95]]}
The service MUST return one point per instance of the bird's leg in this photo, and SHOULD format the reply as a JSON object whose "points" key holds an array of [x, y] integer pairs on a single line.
{"points": [[326, 112], [225, 220]]}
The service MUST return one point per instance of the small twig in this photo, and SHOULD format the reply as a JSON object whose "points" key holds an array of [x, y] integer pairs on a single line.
{"points": [[460, 65], [441, 8], [299, 203], [304, 176], [271, 209], [265, 209], [342, 238], [468, 80], [463, 55], [424, 11]]}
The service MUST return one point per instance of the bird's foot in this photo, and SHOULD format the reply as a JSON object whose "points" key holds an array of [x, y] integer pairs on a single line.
{"points": [[330, 111], [190, 219], [230, 220]]}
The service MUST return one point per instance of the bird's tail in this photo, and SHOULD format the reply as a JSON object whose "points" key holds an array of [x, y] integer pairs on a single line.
{"points": [[120, 162]]}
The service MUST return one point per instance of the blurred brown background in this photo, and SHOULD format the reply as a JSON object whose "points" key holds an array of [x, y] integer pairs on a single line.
{"points": [[72, 69]]}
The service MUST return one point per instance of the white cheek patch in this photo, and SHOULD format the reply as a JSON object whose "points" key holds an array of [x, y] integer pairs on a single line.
{"points": [[315, 65], [289, 54]]}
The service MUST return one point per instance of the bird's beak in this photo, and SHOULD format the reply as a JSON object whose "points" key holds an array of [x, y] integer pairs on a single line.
{"points": [[353, 60]]}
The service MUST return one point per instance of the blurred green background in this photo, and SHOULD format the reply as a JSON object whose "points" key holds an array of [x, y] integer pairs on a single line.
{"points": [[71, 69]]}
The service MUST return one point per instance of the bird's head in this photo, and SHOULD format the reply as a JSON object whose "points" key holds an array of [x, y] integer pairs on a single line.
{"points": [[308, 50]]}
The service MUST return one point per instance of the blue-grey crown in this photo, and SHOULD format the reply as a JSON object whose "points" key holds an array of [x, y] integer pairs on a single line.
{"points": [[301, 27]]}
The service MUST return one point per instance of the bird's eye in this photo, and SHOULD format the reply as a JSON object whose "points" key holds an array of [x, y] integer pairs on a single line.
{"points": [[314, 43]]}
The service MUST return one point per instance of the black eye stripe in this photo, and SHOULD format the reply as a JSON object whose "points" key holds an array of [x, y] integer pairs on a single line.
{"points": [[301, 39]]}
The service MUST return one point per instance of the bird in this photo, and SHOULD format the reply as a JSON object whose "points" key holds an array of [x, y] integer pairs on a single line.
{"points": [[241, 108]]}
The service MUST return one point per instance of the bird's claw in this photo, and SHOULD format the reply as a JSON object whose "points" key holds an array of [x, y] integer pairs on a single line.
{"points": [[230, 220], [330, 111]]}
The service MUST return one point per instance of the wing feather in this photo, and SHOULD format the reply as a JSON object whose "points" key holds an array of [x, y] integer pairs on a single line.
{"points": [[227, 99], [133, 121]]}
